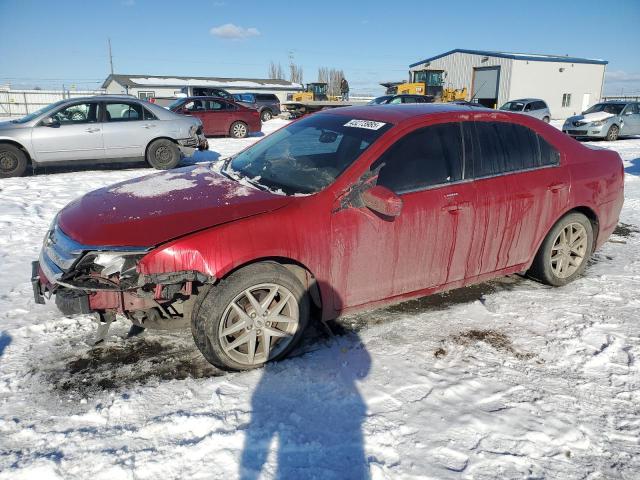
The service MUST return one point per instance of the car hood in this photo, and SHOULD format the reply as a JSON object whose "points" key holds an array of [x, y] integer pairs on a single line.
{"points": [[10, 126], [590, 117], [156, 208]]}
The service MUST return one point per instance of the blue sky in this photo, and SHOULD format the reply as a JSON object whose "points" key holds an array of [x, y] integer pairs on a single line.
{"points": [[48, 43]]}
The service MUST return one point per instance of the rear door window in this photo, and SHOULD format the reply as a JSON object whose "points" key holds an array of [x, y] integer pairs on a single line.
{"points": [[426, 157], [124, 112], [507, 147]]}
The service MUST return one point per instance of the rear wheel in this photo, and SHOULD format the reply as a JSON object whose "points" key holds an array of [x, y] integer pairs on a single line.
{"points": [[13, 161], [612, 134], [238, 130], [565, 251], [163, 154], [266, 115], [546, 119], [256, 315]]}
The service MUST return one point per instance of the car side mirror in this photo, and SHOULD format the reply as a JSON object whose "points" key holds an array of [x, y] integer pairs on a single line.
{"points": [[50, 122], [382, 200]]}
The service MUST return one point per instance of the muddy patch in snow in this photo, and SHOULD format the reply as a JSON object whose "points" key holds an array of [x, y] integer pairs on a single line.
{"points": [[493, 338], [626, 230], [137, 361]]}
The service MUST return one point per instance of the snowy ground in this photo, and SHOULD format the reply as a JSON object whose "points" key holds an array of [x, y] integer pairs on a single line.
{"points": [[508, 379]]}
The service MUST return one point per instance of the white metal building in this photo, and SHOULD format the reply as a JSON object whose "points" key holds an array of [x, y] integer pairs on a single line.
{"points": [[145, 86], [568, 84]]}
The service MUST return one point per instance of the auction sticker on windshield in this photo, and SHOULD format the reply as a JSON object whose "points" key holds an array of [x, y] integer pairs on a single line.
{"points": [[368, 124]]}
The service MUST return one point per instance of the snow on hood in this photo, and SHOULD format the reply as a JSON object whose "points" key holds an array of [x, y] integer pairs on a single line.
{"points": [[153, 209], [592, 117]]}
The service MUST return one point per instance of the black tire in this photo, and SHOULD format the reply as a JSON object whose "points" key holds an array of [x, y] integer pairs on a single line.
{"points": [[546, 119], [13, 161], [239, 130], [163, 154], [266, 115], [612, 134], [210, 308], [541, 268]]}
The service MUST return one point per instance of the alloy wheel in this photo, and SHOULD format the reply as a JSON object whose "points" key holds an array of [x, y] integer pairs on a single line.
{"points": [[569, 250], [239, 130], [258, 324]]}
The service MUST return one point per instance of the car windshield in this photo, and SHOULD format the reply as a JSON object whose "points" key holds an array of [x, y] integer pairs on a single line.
{"points": [[37, 113], [612, 108], [380, 100], [307, 155], [513, 106], [176, 104]]}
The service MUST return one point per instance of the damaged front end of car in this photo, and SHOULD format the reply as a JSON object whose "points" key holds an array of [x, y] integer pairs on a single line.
{"points": [[106, 281]]}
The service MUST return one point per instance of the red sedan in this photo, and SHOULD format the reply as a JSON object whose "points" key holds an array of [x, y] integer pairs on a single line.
{"points": [[220, 116], [343, 210]]}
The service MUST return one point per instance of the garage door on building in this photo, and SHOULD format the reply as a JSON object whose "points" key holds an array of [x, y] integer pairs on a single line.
{"points": [[485, 85]]}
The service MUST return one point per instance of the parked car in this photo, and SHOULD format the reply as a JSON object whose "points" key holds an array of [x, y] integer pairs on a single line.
{"points": [[344, 210], [402, 98], [195, 91], [97, 129], [608, 120], [219, 116], [534, 107], [267, 104]]}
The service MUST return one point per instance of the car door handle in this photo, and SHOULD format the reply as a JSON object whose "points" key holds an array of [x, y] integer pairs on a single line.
{"points": [[92, 130], [149, 125], [556, 187], [455, 207]]}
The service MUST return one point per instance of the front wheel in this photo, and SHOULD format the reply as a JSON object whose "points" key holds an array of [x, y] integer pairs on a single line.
{"points": [[564, 252], [13, 161], [546, 119], [163, 154], [239, 130], [256, 315], [612, 134]]}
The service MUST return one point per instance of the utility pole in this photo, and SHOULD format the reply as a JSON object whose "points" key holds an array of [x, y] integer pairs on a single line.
{"points": [[110, 55]]}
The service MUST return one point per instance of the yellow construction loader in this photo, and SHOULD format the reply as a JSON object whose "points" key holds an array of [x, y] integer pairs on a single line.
{"points": [[447, 94]]}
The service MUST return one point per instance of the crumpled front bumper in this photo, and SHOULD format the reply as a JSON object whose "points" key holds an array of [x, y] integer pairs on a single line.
{"points": [[188, 146]]}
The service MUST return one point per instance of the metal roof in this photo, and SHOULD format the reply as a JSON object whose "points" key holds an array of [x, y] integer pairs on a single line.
{"points": [[516, 56], [143, 81]]}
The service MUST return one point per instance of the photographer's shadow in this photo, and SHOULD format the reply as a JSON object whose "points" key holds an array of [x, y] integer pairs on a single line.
{"points": [[310, 411]]}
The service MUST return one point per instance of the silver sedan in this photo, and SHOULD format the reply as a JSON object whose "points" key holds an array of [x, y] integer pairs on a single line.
{"points": [[98, 129], [608, 120]]}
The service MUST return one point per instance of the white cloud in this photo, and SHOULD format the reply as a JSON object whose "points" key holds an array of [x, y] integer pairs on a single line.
{"points": [[234, 32], [622, 76]]}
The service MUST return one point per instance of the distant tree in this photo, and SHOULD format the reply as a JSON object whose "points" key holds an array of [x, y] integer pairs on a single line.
{"points": [[332, 77], [275, 71], [323, 75], [295, 73]]}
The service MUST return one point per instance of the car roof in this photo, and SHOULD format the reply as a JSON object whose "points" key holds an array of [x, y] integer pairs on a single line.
{"points": [[207, 97], [527, 100], [104, 98], [396, 113]]}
